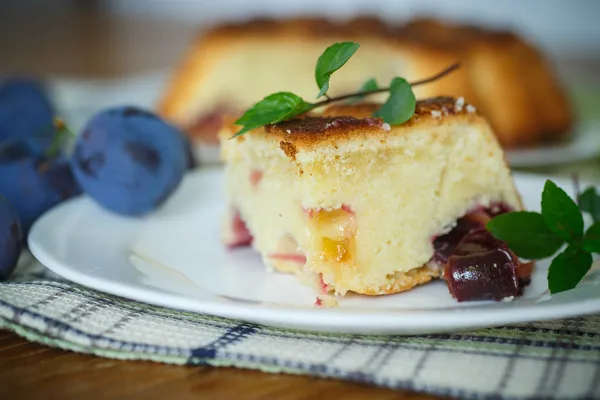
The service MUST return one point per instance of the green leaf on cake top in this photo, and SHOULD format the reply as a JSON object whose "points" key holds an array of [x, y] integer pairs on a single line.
{"points": [[274, 108], [282, 106], [333, 58], [400, 106]]}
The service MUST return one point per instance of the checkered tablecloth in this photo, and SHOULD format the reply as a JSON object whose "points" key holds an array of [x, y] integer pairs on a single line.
{"points": [[545, 360]]}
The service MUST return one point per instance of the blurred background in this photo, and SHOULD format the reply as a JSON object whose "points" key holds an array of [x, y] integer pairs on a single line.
{"points": [[98, 53], [83, 37]]}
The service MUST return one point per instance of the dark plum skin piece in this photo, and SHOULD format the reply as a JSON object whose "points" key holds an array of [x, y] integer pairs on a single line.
{"points": [[445, 245], [482, 276], [477, 265], [25, 109], [129, 160], [482, 268], [32, 182], [11, 239]]}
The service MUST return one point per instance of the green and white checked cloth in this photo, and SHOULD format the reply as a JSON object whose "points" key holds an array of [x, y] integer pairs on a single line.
{"points": [[546, 360]]}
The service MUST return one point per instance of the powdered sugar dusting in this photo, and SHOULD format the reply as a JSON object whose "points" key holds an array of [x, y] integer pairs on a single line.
{"points": [[459, 104], [386, 127], [471, 109], [436, 114]]}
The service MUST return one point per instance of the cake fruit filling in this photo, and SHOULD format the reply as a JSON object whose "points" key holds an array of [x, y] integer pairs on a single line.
{"points": [[336, 229], [240, 235], [476, 265], [334, 234]]}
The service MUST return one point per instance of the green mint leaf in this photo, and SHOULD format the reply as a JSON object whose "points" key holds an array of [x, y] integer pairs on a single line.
{"points": [[561, 213], [568, 269], [368, 86], [525, 233], [591, 241], [400, 106], [589, 201], [332, 59], [272, 109]]}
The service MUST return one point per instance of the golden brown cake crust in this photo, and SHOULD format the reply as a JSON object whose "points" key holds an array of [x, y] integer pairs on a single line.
{"points": [[506, 78], [351, 121], [404, 281]]}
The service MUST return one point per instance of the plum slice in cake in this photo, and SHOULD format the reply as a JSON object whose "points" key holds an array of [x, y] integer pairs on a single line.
{"points": [[352, 204]]}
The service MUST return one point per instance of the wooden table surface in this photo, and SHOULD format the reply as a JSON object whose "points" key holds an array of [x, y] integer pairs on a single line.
{"points": [[97, 46], [32, 371]]}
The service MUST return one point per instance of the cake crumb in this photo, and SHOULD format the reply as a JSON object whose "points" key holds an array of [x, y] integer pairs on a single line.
{"points": [[436, 114], [289, 149], [460, 103], [471, 109], [288, 130], [507, 299], [326, 301]]}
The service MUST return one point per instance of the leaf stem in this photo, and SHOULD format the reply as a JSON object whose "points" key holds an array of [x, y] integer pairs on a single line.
{"points": [[435, 77]]}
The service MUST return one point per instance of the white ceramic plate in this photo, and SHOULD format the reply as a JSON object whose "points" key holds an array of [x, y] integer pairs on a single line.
{"points": [[582, 145], [174, 258]]}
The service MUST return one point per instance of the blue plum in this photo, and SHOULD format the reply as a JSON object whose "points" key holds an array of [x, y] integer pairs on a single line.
{"points": [[11, 239], [32, 181], [25, 109], [129, 160]]}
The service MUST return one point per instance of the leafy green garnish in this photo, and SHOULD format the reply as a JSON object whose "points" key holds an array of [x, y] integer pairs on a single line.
{"points": [[369, 86], [589, 201], [332, 59], [272, 109], [591, 241], [561, 213], [535, 235], [281, 106], [400, 106], [526, 234], [568, 269]]}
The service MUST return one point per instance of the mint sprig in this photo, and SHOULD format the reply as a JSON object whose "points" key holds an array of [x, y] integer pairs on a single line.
{"points": [[281, 106], [591, 241], [561, 213], [272, 109], [535, 235], [367, 87], [525, 233], [333, 58], [589, 201], [400, 106], [568, 269]]}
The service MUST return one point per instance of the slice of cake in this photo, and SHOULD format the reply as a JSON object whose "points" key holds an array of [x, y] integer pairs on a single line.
{"points": [[350, 203], [231, 66]]}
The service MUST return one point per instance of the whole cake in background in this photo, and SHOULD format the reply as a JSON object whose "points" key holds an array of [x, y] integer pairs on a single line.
{"points": [[232, 66]]}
